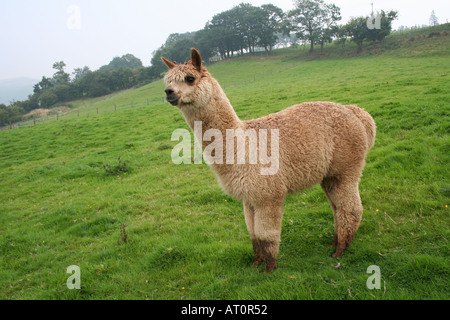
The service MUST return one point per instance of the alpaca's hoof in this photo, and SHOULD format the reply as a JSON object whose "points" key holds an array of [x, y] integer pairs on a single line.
{"points": [[270, 266], [339, 251], [257, 263], [335, 255]]}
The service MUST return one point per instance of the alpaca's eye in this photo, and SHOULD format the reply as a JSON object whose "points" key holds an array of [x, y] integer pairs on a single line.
{"points": [[189, 80]]}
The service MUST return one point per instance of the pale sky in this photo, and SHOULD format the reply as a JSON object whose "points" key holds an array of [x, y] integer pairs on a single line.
{"points": [[36, 33]]}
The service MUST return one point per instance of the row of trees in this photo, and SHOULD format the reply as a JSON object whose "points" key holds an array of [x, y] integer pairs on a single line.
{"points": [[121, 73], [242, 29], [245, 28]]}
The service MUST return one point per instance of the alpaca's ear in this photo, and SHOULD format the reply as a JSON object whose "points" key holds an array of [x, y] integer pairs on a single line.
{"points": [[169, 63], [196, 59]]}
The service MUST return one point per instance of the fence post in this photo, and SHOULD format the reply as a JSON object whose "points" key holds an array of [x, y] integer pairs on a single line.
{"points": [[57, 116], [115, 107], [97, 110]]}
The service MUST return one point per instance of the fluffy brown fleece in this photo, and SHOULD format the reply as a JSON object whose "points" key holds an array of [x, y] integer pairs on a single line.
{"points": [[319, 142]]}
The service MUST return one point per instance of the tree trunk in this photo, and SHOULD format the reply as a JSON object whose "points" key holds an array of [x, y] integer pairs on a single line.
{"points": [[360, 47]]}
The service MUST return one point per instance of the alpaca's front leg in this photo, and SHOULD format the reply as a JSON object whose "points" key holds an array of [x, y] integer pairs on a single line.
{"points": [[267, 230], [249, 213]]}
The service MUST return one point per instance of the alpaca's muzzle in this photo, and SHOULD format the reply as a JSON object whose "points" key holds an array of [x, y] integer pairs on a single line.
{"points": [[171, 96]]}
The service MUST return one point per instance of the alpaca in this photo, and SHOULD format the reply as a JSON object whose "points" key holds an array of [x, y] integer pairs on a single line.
{"points": [[319, 142]]}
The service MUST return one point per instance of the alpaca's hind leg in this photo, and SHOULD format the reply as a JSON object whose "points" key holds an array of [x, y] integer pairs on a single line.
{"points": [[345, 196], [267, 228], [249, 213], [326, 185]]}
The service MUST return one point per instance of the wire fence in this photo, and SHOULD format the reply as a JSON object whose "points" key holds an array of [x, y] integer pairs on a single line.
{"points": [[82, 111]]}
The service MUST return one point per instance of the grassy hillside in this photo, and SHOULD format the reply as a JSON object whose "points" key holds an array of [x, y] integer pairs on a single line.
{"points": [[185, 238]]}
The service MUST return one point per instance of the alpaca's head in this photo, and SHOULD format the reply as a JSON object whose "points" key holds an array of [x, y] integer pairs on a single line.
{"points": [[188, 84]]}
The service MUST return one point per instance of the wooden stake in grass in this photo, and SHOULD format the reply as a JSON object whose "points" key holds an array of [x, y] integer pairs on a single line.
{"points": [[123, 234]]}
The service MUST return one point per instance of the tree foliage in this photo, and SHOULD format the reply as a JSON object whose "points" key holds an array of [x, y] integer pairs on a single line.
{"points": [[359, 32], [314, 21], [241, 29], [10, 114], [127, 61], [433, 19]]}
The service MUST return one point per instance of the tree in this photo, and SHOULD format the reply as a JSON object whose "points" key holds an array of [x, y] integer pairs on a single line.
{"points": [[3, 114], [312, 18], [131, 62], [227, 29], [60, 76], [385, 26], [79, 73], [204, 43], [243, 28], [331, 15], [177, 46], [10, 114], [28, 105], [180, 49], [358, 30], [47, 99], [327, 35], [249, 23], [63, 92], [98, 88], [433, 19], [342, 34], [158, 66], [270, 27], [127, 61], [44, 84]]}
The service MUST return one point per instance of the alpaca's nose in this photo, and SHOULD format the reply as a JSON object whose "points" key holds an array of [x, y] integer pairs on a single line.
{"points": [[168, 91], [171, 96]]}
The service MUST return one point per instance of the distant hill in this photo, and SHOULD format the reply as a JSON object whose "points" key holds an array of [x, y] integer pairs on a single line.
{"points": [[16, 89]]}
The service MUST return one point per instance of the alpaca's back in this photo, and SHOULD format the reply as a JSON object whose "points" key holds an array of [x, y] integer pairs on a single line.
{"points": [[319, 139]]}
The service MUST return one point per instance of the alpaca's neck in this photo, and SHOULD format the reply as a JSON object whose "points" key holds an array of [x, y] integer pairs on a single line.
{"points": [[219, 115], [216, 114]]}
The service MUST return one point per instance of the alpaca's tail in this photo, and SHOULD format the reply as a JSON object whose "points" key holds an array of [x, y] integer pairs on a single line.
{"points": [[367, 121]]}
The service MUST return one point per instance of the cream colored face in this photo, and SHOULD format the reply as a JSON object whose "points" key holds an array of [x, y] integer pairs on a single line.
{"points": [[181, 86], [187, 86], [189, 83]]}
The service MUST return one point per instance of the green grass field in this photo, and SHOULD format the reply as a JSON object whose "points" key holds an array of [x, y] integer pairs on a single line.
{"points": [[186, 239]]}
